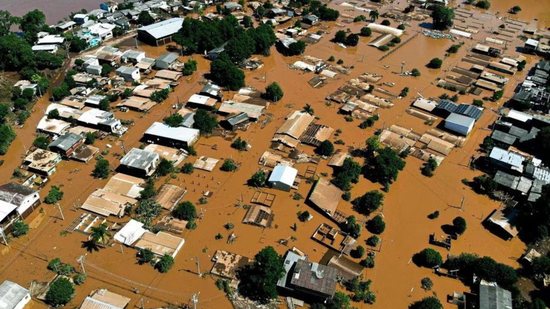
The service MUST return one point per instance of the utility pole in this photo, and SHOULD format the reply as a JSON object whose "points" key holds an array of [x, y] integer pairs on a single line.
{"points": [[81, 261], [4, 237], [198, 266], [60, 211], [462, 203], [195, 299], [402, 67]]}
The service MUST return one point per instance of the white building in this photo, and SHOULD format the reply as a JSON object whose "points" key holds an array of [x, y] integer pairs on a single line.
{"points": [[130, 74], [180, 137], [140, 162], [459, 124], [282, 177], [16, 201], [13, 296]]}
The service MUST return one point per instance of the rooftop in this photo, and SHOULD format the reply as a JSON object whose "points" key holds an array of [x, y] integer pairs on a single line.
{"points": [[491, 296], [326, 196], [139, 158], [283, 173], [14, 193], [179, 133], [314, 277], [11, 294], [163, 28], [66, 141]]}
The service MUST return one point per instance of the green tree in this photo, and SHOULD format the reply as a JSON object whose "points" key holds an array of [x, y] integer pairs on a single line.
{"points": [[7, 135], [352, 39], [76, 44], [165, 167], [358, 252], [352, 227], [54, 195], [376, 225], [247, 21], [189, 67], [4, 112], [515, 9], [229, 165], [148, 191], [428, 258], [16, 53], [273, 92], [102, 169], [60, 92], [147, 210], [429, 167], [296, 48], [365, 31], [174, 120], [430, 302], [369, 202], [426, 283], [20, 228], [340, 37], [105, 104], [185, 211], [144, 256], [264, 38], [373, 14], [385, 167], [442, 17], [415, 72], [338, 301], [259, 280], [41, 141], [187, 168], [100, 234], [483, 4], [32, 23], [145, 18], [224, 73], [239, 144], [459, 225], [347, 174], [325, 148], [240, 47], [164, 264], [258, 179], [6, 21], [373, 241], [204, 121], [45, 60], [160, 95], [435, 63], [60, 292]]}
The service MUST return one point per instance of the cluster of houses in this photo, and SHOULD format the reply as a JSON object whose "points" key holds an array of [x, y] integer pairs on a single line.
{"points": [[533, 92]]}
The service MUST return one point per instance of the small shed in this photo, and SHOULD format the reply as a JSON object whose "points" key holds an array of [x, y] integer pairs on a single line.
{"points": [[130, 74], [166, 60], [283, 177]]}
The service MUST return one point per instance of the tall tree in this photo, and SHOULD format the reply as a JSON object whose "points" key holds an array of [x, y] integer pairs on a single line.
{"points": [[32, 23], [259, 280], [442, 17], [6, 21]]}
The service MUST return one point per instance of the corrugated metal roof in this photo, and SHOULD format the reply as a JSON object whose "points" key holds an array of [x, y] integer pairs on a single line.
{"points": [[163, 28]]}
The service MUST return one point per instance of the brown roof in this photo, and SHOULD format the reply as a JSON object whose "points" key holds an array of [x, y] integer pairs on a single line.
{"points": [[259, 215], [348, 268], [160, 243], [226, 263], [99, 298], [314, 277], [126, 185], [169, 196], [296, 124], [325, 196], [107, 203]]}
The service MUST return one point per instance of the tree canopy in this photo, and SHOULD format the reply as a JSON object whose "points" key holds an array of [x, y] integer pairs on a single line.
{"points": [[385, 166], [204, 121], [259, 280], [61, 291], [185, 211], [325, 148], [442, 17], [102, 169], [347, 174], [428, 258], [429, 302], [273, 92], [368, 202], [226, 74]]}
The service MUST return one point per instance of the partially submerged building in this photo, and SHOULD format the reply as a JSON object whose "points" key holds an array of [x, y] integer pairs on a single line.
{"points": [[42, 162], [180, 137], [105, 299], [325, 196], [13, 296], [282, 177], [492, 296], [140, 162], [460, 124], [160, 33], [66, 144], [16, 201]]}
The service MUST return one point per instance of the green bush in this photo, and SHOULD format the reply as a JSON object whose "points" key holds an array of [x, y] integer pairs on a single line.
{"points": [[20, 228], [60, 292], [185, 211], [428, 258], [376, 225], [164, 264], [54, 195]]}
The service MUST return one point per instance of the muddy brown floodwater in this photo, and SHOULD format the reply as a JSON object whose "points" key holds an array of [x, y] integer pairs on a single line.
{"points": [[396, 280]]}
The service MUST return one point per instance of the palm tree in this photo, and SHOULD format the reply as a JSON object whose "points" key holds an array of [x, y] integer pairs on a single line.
{"points": [[373, 15], [100, 234], [308, 109]]}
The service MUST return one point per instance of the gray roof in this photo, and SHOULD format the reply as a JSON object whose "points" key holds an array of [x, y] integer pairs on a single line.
{"points": [[211, 90], [11, 294], [491, 296], [14, 193], [179, 134], [164, 28], [237, 119], [290, 259], [126, 70], [168, 58], [66, 141], [460, 119], [503, 137], [315, 277], [506, 180], [139, 158]]}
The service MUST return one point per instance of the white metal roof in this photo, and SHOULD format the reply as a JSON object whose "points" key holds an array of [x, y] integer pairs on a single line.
{"points": [[519, 116], [11, 294], [460, 120], [284, 174], [508, 157], [130, 232], [163, 28], [179, 133]]}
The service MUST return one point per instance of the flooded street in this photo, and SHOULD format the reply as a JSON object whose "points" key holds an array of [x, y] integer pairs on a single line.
{"points": [[396, 280]]}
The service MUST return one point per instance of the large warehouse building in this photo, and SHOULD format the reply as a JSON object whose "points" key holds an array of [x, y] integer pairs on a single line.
{"points": [[160, 33]]}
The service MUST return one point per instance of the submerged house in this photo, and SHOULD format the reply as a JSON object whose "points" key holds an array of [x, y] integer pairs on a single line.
{"points": [[160, 33], [282, 177], [140, 162], [16, 201]]}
